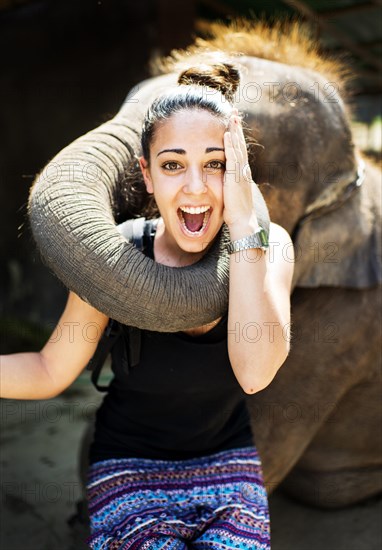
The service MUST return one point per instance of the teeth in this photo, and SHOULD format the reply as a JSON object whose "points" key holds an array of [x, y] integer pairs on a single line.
{"points": [[195, 210]]}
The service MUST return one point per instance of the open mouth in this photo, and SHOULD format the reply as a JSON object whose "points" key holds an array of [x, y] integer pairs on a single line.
{"points": [[194, 219]]}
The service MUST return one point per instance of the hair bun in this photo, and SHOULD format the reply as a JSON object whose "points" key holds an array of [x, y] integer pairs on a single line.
{"points": [[220, 76]]}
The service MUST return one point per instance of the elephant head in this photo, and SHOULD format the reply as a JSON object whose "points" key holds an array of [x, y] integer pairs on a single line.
{"points": [[305, 164], [307, 168]]}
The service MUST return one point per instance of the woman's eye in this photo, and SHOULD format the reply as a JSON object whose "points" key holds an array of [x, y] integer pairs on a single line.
{"points": [[172, 165], [215, 165]]}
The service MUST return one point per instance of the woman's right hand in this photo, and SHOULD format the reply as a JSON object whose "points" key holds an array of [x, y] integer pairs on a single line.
{"points": [[239, 205]]}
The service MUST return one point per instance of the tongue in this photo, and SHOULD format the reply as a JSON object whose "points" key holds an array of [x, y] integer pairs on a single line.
{"points": [[193, 222]]}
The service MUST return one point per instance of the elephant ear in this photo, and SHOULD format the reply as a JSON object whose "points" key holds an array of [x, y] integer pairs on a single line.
{"points": [[338, 242]]}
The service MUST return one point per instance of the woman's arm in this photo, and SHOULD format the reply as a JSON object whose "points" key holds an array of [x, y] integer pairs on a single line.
{"points": [[260, 283], [47, 373], [259, 310]]}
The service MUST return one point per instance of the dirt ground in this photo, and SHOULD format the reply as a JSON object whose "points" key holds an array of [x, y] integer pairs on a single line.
{"points": [[40, 442]]}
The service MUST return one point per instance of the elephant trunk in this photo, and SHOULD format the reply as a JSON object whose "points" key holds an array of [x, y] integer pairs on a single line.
{"points": [[72, 219]]}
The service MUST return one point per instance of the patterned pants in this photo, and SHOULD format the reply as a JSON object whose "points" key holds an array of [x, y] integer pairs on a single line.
{"points": [[213, 502]]}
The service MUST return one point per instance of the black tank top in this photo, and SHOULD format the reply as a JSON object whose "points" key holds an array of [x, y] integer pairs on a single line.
{"points": [[181, 401]]}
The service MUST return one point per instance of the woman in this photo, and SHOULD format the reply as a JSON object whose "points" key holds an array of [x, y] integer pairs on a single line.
{"points": [[173, 464]]}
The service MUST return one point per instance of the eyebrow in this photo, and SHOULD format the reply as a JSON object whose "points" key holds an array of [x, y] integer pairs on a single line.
{"points": [[183, 152]]}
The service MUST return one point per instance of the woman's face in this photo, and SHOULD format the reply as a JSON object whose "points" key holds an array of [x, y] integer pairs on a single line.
{"points": [[186, 170]]}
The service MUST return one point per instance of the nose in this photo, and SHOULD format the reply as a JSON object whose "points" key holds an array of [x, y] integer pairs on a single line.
{"points": [[195, 183]]}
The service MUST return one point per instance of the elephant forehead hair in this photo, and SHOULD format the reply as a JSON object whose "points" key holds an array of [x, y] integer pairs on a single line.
{"points": [[288, 42]]}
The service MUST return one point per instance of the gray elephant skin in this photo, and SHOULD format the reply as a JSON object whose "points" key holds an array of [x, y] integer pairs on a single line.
{"points": [[317, 426]]}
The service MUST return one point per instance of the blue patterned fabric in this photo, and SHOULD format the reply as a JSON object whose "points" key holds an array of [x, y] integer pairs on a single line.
{"points": [[211, 502]]}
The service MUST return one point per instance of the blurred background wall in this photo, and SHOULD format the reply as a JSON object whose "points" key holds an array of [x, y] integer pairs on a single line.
{"points": [[66, 66]]}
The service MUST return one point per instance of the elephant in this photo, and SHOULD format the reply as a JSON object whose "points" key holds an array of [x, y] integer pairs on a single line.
{"points": [[316, 425]]}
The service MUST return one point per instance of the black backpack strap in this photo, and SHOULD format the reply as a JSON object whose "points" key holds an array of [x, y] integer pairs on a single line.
{"points": [[116, 339], [133, 345]]}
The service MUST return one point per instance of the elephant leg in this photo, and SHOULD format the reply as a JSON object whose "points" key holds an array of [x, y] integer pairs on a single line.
{"points": [[322, 411], [342, 465]]}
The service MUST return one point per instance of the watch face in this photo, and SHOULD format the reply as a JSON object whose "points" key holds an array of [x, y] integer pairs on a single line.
{"points": [[263, 238]]}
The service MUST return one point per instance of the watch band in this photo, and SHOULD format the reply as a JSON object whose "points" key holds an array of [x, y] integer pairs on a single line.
{"points": [[259, 239]]}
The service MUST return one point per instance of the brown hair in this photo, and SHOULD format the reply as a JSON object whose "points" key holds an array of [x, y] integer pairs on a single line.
{"points": [[193, 92], [221, 76]]}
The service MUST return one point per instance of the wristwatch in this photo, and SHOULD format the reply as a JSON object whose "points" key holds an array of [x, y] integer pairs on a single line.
{"points": [[259, 239]]}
